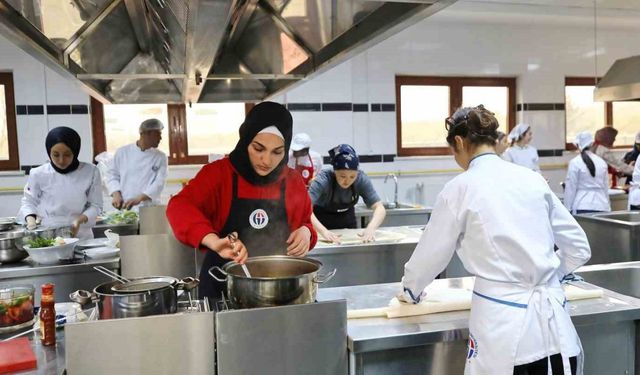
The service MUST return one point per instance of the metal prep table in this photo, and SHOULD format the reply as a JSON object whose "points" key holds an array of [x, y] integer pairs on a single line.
{"points": [[376, 262], [66, 277], [614, 236], [437, 343], [370, 263], [404, 214]]}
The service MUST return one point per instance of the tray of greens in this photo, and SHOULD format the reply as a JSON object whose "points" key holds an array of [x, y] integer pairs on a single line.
{"points": [[122, 217]]}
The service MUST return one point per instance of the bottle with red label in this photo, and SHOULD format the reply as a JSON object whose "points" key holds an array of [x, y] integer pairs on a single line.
{"points": [[47, 316]]}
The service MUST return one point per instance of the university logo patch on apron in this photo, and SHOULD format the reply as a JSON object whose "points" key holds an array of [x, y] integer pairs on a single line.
{"points": [[305, 173], [259, 219], [472, 347]]}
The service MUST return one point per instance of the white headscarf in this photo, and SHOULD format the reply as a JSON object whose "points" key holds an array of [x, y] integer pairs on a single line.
{"points": [[583, 140], [518, 131], [272, 130]]}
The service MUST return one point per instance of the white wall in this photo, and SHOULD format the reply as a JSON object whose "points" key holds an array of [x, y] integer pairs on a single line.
{"points": [[538, 45]]}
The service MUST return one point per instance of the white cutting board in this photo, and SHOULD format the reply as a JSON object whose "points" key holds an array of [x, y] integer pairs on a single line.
{"points": [[441, 299]]}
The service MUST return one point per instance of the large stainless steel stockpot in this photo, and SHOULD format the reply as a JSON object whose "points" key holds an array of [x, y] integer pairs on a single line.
{"points": [[275, 280], [115, 301]]}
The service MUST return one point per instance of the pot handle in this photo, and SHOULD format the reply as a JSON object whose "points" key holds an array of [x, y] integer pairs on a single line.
{"points": [[320, 279], [82, 296], [216, 268], [188, 283]]}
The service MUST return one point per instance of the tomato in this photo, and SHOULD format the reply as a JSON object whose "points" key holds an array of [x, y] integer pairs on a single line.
{"points": [[14, 313], [27, 307], [5, 320]]}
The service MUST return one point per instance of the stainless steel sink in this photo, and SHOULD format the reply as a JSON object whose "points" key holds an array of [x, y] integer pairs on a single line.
{"points": [[623, 278], [397, 206], [614, 236]]}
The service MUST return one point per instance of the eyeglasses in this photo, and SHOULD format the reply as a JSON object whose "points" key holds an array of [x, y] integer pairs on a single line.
{"points": [[450, 123]]}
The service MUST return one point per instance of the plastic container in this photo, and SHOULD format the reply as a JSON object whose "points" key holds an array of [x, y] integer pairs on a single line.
{"points": [[52, 254], [16, 306]]}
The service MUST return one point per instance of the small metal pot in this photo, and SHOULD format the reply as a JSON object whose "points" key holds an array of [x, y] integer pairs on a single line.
{"points": [[12, 239], [133, 304], [275, 281]]}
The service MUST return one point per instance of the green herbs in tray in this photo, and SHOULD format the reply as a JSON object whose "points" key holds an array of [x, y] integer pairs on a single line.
{"points": [[121, 217]]}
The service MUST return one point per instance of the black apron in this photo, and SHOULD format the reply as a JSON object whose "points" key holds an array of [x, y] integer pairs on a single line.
{"points": [[338, 215], [262, 226]]}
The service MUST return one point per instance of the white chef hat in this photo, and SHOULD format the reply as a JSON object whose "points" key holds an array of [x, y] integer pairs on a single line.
{"points": [[300, 141], [151, 124], [583, 140], [271, 130], [518, 131]]}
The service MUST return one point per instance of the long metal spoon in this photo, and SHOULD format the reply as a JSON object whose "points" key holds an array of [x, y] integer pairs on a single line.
{"points": [[232, 238]]}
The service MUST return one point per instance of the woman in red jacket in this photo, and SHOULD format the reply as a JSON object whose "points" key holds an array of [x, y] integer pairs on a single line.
{"points": [[252, 193]]}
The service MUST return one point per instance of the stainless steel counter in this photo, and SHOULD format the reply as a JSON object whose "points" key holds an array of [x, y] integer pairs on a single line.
{"points": [[51, 359], [436, 343], [66, 277], [404, 214]]}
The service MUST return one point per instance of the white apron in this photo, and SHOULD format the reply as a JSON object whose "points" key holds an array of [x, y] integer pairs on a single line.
{"points": [[497, 323]]}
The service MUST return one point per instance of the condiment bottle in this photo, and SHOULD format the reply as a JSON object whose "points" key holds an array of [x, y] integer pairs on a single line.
{"points": [[47, 316]]}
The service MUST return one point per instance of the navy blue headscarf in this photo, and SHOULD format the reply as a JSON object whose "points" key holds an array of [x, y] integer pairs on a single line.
{"points": [[69, 137], [344, 157]]}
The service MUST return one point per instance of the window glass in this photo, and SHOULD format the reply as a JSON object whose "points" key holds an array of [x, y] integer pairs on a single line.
{"points": [[212, 128], [424, 109], [122, 121], [626, 118], [4, 136], [495, 99], [582, 113]]}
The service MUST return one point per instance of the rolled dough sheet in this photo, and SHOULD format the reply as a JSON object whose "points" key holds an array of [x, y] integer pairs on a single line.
{"points": [[449, 299], [351, 237]]}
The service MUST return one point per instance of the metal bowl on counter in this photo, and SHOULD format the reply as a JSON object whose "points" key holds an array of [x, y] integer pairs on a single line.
{"points": [[11, 246], [144, 296], [275, 280], [7, 223]]}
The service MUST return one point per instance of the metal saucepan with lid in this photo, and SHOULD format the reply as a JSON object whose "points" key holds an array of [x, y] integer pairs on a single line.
{"points": [[138, 297], [275, 280]]}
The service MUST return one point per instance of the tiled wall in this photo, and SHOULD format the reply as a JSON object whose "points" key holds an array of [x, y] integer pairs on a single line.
{"points": [[355, 102]]}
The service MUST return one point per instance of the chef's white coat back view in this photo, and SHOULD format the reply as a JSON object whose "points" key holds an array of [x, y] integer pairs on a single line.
{"points": [[503, 221]]}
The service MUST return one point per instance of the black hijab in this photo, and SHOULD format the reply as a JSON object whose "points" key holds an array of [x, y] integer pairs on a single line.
{"points": [[69, 137], [260, 117]]}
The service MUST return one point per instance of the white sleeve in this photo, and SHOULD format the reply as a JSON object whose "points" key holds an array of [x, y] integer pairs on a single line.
{"points": [[570, 186], [434, 250], [316, 160], [113, 175], [94, 198], [574, 250], [30, 198], [636, 171], [156, 185]]}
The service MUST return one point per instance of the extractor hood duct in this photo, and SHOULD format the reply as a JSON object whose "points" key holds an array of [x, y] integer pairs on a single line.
{"points": [[190, 51], [622, 81]]}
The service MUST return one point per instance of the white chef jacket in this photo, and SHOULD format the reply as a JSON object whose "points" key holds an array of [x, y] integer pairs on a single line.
{"points": [[526, 156], [134, 172], [583, 191], [60, 198], [315, 162], [503, 221], [634, 191]]}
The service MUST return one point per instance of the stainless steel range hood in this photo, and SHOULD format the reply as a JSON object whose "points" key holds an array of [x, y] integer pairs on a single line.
{"points": [[622, 81], [175, 51]]}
